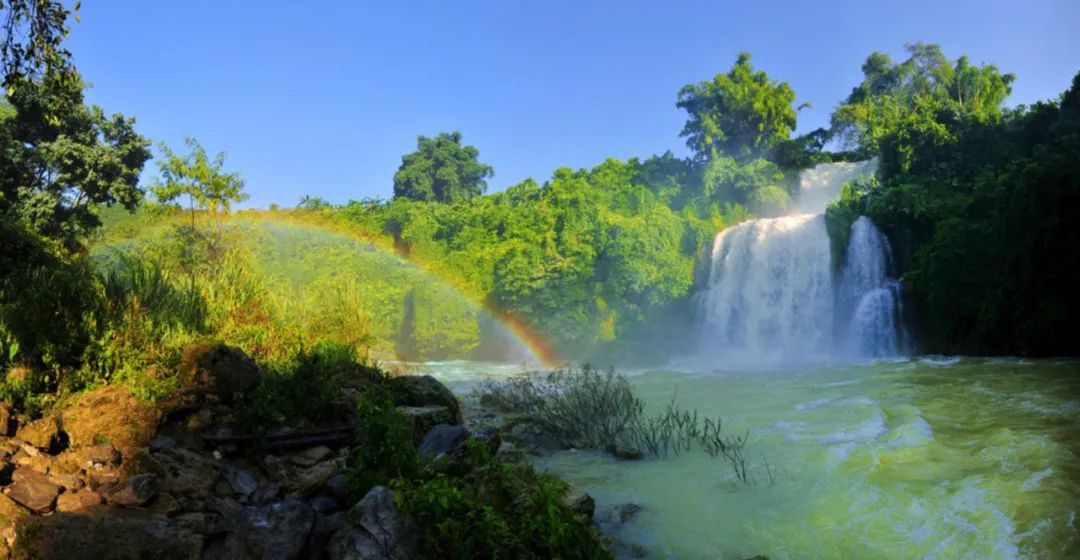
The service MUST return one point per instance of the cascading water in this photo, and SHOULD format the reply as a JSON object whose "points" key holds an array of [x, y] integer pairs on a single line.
{"points": [[771, 295]]}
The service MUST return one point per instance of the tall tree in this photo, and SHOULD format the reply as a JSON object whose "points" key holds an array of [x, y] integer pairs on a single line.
{"points": [[742, 113], [198, 177], [442, 170]]}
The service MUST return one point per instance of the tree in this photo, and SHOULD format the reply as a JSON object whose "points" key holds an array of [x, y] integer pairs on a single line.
{"points": [[198, 177], [742, 113], [441, 170], [31, 47]]}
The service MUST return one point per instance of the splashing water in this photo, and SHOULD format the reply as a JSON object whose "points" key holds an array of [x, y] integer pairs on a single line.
{"points": [[771, 298]]}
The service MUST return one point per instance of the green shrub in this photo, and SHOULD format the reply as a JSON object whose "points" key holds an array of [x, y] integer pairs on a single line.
{"points": [[384, 444], [496, 511]]}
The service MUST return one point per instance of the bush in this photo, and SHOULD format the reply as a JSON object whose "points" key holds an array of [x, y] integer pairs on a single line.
{"points": [[384, 443], [496, 511]]}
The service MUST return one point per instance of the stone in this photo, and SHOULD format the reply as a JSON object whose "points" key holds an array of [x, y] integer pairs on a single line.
{"points": [[337, 487], [423, 418], [325, 528], [303, 482], [185, 473], [161, 443], [622, 513], [310, 457], [38, 461], [201, 522], [266, 494], [77, 501], [98, 533], [111, 415], [218, 370], [422, 391], [69, 482], [102, 454], [625, 453], [165, 504], [323, 504], [103, 480], [135, 491], [43, 433], [277, 531], [26, 473], [241, 481], [442, 439], [375, 530], [579, 502], [36, 494]]}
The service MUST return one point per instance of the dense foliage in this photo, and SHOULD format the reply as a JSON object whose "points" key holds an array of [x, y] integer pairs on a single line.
{"points": [[441, 170], [975, 199]]}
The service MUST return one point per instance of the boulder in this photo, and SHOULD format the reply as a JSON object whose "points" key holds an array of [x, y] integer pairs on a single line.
{"points": [[579, 502], [326, 526], [43, 433], [69, 482], [621, 513], [375, 530], [135, 491], [7, 420], [36, 494], [104, 534], [423, 391], [77, 501], [423, 418], [101, 454], [111, 415], [277, 531], [241, 481], [309, 457], [185, 473], [337, 487], [217, 370], [443, 439], [301, 481]]}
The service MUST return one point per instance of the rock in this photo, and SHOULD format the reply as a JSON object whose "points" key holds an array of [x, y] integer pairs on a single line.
{"points": [[110, 414], [43, 433], [77, 501], [104, 534], [509, 453], [325, 528], [625, 454], [165, 504], [266, 494], [162, 443], [34, 459], [241, 481], [26, 473], [300, 481], [103, 480], [36, 494], [277, 531], [323, 504], [622, 513], [218, 370], [423, 418], [136, 491], [185, 473], [375, 530], [201, 523], [337, 487], [69, 482], [309, 457], [102, 454], [443, 439], [579, 502], [423, 391]]}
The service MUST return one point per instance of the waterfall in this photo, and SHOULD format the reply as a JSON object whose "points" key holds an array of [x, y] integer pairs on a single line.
{"points": [[771, 295]]}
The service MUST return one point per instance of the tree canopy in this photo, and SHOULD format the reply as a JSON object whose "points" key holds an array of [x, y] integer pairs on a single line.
{"points": [[742, 113], [441, 170], [199, 177]]}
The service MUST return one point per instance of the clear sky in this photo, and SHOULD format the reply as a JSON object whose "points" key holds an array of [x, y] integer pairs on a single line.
{"points": [[323, 98]]}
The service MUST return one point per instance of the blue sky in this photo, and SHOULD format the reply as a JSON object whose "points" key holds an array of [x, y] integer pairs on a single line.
{"points": [[324, 98]]}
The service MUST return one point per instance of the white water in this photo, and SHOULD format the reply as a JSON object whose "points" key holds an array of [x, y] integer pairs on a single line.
{"points": [[771, 296]]}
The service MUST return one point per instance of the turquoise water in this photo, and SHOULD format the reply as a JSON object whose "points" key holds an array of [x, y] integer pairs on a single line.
{"points": [[930, 458]]}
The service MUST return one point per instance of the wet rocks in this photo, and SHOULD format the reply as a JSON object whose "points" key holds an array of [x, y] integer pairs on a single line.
{"points": [[442, 440], [135, 491], [375, 530]]}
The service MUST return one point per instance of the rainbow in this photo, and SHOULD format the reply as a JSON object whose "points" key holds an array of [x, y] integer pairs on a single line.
{"points": [[530, 338]]}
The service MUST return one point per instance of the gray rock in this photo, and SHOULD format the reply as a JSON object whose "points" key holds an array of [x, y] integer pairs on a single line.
{"points": [[621, 513], [241, 481], [186, 473], [135, 491], [277, 531], [580, 502], [323, 504], [162, 443], [36, 494], [325, 528], [443, 439], [375, 530], [338, 487], [310, 457]]}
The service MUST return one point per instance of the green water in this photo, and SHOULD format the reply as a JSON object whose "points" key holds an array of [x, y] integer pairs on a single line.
{"points": [[912, 459]]}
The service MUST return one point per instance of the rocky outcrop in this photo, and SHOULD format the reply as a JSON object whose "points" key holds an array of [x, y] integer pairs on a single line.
{"points": [[217, 371], [110, 415], [424, 391], [375, 530]]}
